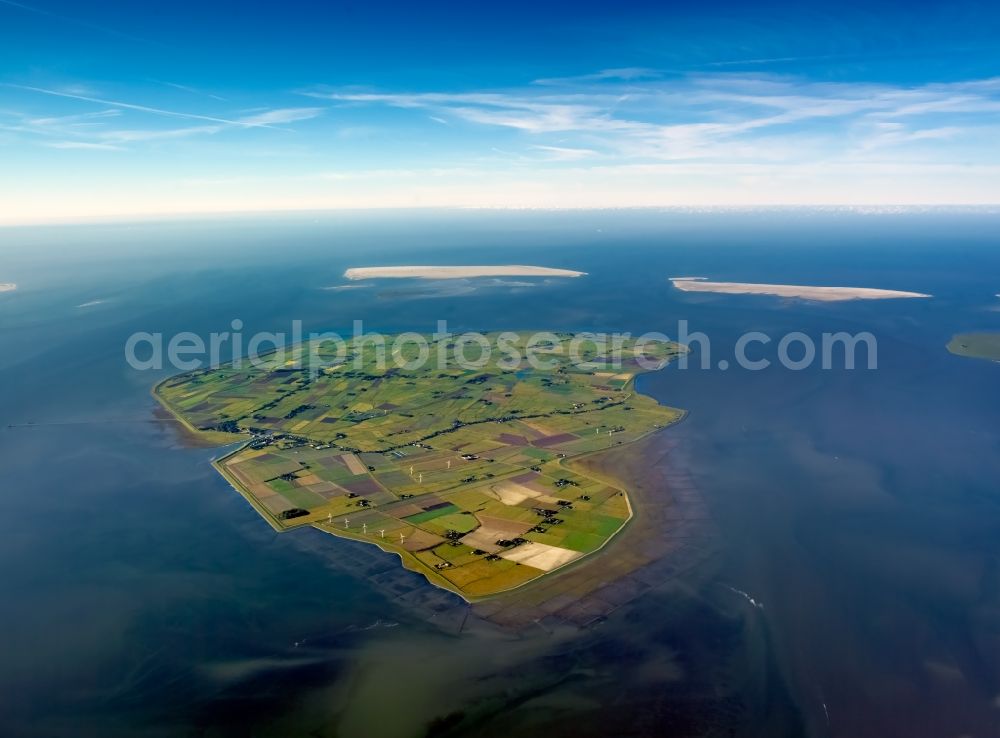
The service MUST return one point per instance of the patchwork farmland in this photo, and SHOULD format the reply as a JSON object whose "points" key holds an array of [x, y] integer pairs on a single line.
{"points": [[466, 473]]}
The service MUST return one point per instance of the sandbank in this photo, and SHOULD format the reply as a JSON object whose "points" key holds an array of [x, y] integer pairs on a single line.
{"points": [[805, 292], [456, 272]]}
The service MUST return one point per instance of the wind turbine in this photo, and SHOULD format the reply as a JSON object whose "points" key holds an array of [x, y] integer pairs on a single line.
{"points": [[364, 527], [347, 523]]}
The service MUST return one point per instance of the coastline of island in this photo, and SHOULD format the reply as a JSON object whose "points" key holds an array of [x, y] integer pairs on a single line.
{"points": [[468, 476], [981, 345]]}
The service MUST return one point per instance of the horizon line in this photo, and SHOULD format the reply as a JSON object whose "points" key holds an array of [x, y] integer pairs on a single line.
{"points": [[180, 215]]}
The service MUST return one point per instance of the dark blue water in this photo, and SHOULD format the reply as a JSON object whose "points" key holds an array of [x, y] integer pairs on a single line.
{"points": [[861, 508]]}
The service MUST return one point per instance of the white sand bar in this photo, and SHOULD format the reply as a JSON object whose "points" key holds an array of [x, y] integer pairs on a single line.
{"points": [[7, 286], [456, 272], [823, 294]]}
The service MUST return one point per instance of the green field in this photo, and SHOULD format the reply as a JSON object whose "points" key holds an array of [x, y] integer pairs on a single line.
{"points": [[976, 345], [462, 472]]}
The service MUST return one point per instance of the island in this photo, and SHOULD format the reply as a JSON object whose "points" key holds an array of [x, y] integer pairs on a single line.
{"points": [[976, 345], [7, 286], [456, 272], [467, 473], [804, 292]]}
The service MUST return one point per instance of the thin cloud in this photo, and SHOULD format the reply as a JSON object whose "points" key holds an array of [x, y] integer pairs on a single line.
{"points": [[777, 60], [90, 130], [83, 145], [526, 113], [136, 107], [896, 134], [611, 139], [158, 134], [715, 116], [280, 115], [624, 74], [265, 119], [565, 153], [74, 120], [192, 90]]}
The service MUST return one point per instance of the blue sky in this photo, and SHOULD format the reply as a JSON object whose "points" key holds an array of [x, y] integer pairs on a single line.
{"points": [[121, 109]]}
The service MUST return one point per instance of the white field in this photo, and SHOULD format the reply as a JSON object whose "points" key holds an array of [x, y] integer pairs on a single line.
{"points": [[7, 286], [512, 493], [354, 464], [456, 272], [805, 292], [541, 555]]}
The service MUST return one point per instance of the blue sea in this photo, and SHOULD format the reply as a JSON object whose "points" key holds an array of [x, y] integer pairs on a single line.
{"points": [[845, 580]]}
